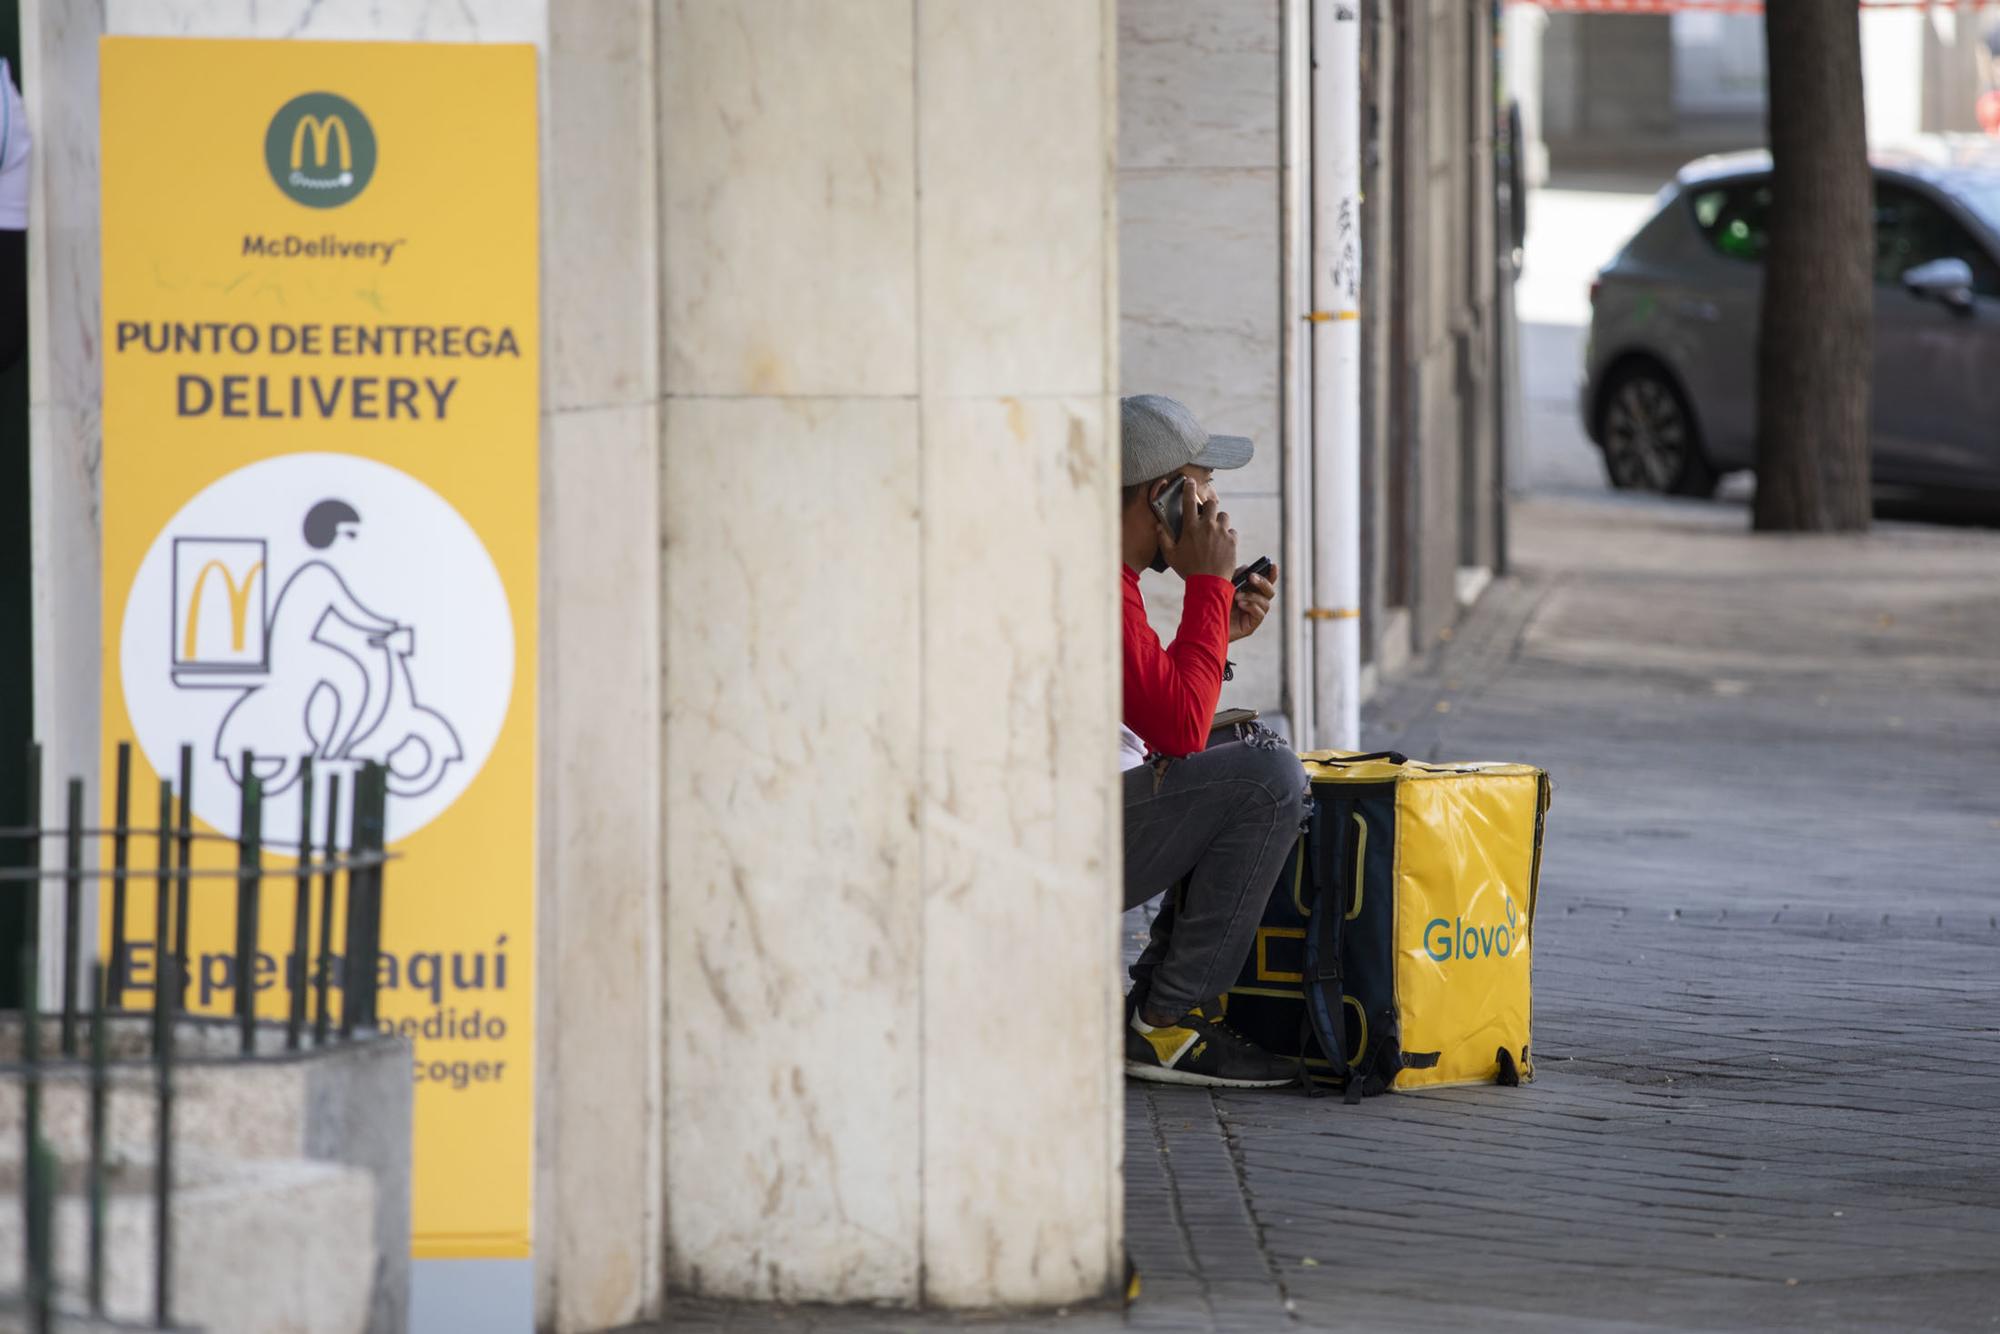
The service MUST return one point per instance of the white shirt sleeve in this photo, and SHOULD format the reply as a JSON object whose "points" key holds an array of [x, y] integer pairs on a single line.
{"points": [[1131, 750], [13, 154]]}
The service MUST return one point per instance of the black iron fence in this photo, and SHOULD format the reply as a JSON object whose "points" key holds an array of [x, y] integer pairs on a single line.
{"points": [[331, 987], [40, 1298]]}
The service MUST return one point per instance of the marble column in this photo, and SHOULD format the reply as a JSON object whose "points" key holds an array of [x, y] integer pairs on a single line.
{"points": [[888, 501], [599, 1195], [65, 406]]}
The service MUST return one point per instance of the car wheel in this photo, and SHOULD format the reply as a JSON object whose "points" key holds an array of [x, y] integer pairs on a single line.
{"points": [[1650, 441]]}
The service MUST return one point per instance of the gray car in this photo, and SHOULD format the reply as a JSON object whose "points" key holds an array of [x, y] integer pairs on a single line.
{"points": [[1669, 391]]}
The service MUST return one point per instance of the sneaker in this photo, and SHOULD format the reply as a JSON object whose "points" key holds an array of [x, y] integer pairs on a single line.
{"points": [[1133, 998], [1201, 1050]]}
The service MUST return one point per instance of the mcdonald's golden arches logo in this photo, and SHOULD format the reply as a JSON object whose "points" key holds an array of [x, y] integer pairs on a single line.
{"points": [[320, 149], [224, 634]]}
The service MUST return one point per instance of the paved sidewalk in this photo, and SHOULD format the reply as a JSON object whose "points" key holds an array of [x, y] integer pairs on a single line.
{"points": [[1767, 974], [1767, 962]]}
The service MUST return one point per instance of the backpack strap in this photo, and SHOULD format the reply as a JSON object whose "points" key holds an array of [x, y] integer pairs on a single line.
{"points": [[1514, 1072], [1323, 985], [1306, 1084], [1393, 756], [1376, 1067], [1324, 988]]}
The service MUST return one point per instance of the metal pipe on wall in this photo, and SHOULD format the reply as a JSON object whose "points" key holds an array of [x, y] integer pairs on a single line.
{"points": [[1335, 616], [1295, 120]]}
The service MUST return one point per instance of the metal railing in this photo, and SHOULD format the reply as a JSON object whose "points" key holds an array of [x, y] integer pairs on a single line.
{"points": [[313, 976], [40, 1295]]}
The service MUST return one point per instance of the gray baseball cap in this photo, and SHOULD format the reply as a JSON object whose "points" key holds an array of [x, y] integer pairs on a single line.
{"points": [[1157, 435]]}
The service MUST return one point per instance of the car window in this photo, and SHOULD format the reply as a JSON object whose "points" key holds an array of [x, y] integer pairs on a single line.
{"points": [[1981, 193], [1911, 229], [1734, 218]]}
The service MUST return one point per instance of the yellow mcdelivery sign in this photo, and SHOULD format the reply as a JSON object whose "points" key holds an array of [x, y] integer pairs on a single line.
{"points": [[320, 514]]}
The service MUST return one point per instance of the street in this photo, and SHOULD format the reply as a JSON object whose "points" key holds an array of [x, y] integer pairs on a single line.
{"points": [[1767, 950]]}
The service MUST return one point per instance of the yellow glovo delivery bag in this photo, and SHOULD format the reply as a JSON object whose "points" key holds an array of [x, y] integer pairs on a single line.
{"points": [[1397, 947]]}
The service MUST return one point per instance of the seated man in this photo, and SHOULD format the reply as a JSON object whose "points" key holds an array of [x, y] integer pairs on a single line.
{"points": [[1224, 815]]}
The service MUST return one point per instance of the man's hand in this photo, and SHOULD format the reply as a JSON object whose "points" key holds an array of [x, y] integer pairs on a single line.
{"points": [[1207, 544], [1253, 603]]}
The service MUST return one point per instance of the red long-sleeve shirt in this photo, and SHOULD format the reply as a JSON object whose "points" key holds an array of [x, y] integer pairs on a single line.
{"points": [[1170, 692]]}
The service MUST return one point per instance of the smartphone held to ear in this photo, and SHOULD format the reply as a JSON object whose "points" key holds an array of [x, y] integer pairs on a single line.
{"points": [[1168, 504]]}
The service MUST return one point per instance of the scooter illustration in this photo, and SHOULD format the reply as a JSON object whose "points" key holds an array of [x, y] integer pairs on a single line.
{"points": [[339, 686]]}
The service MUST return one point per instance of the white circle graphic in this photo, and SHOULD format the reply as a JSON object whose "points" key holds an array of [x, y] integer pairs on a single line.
{"points": [[322, 606]]}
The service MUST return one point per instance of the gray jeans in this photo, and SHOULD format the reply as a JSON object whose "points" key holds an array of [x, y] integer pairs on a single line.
{"points": [[1226, 818]]}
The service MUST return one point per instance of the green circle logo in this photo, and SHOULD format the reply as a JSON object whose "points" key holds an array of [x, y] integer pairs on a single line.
{"points": [[320, 149]]}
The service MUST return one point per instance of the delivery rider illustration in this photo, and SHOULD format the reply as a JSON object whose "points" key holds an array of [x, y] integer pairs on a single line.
{"points": [[338, 685]]}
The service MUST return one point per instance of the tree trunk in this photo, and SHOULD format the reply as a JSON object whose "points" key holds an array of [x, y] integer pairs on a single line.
{"points": [[1814, 339]]}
